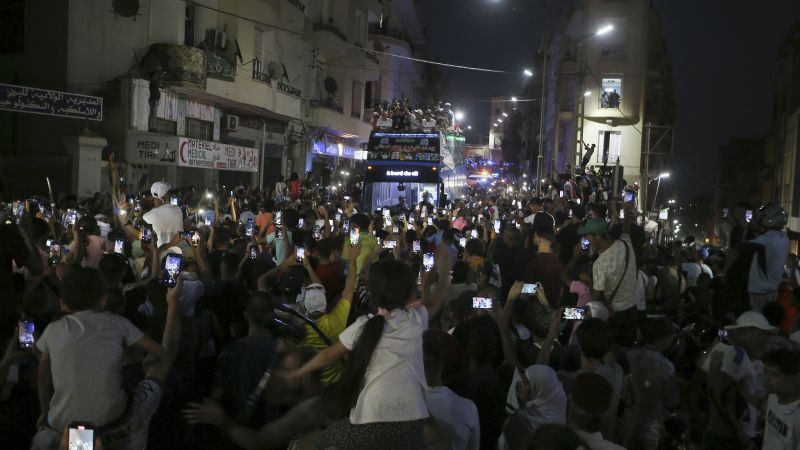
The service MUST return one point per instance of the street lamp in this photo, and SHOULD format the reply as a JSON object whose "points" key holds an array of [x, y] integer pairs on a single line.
{"points": [[604, 30], [527, 73], [499, 120], [459, 115], [658, 185], [469, 127], [587, 93], [513, 99], [505, 115]]}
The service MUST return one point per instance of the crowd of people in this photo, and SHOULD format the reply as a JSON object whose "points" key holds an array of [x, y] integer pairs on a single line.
{"points": [[205, 318]]}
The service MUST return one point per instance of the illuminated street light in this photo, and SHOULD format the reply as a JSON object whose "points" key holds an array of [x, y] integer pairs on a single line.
{"points": [[664, 175], [587, 93], [459, 115], [500, 120], [469, 127], [604, 30], [505, 115], [513, 99], [527, 73]]}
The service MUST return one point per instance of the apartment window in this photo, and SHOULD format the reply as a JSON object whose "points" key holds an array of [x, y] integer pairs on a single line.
{"points": [[164, 126], [189, 23], [368, 86], [199, 129], [361, 28], [612, 93], [608, 143], [355, 104]]}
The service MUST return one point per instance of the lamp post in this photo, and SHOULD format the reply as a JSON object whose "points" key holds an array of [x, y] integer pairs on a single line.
{"points": [[655, 197]]}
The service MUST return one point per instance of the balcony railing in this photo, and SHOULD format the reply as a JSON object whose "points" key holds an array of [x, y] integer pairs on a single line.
{"points": [[319, 26], [375, 28], [329, 104]]}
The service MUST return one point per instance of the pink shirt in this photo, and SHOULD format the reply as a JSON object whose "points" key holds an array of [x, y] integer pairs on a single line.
{"points": [[584, 297]]}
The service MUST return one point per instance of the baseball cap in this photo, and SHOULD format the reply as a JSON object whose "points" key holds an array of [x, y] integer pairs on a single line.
{"points": [[752, 319], [594, 226], [314, 298], [160, 189]]}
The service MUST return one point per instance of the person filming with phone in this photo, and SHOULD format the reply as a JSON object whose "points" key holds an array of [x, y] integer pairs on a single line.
{"points": [[166, 218]]}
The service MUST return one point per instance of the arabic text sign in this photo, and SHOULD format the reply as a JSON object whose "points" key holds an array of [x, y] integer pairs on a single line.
{"points": [[216, 155], [51, 103]]}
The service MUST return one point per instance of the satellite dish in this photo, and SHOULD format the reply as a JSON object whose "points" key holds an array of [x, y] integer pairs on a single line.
{"points": [[330, 85], [125, 8], [274, 70]]}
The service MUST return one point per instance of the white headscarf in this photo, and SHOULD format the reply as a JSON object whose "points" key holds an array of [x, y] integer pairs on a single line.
{"points": [[548, 402]]}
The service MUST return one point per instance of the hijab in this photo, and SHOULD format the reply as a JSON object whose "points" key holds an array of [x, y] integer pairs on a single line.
{"points": [[548, 402]]}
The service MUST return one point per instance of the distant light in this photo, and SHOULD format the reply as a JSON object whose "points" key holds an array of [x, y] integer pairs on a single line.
{"points": [[587, 93], [459, 115], [500, 120], [469, 127], [513, 99], [675, 221], [604, 30], [505, 115], [527, 73], [495, 124], [664, 175]]}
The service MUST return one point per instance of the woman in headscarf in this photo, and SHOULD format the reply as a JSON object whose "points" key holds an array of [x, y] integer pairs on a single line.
{"points": [[533, 400]]}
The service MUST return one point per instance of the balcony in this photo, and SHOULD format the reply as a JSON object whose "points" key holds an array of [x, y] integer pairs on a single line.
{"points": [[327, 104], [183, 66], [397, 35], [371, 56], [330, 27]]}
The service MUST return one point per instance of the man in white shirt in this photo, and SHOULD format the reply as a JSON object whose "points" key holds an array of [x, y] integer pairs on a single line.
{"points": [[456, 416], [166, 218], [614, 275], [782, 417]]}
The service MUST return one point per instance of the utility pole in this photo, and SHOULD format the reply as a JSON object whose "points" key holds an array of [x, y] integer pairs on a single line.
{"points": [[646, 172], [543, 106]]}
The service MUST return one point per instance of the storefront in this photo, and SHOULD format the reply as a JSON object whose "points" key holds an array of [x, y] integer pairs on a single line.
{"points": [[331, 153], [184, 161]]}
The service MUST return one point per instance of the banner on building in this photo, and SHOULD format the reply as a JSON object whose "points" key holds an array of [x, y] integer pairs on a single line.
{"points": [[50, 103], [216, 155]]}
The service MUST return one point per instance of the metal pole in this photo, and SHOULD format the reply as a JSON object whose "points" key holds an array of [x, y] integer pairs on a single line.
{"points": [[541, 120], [646, 173], [655, 197], [263, 154]]}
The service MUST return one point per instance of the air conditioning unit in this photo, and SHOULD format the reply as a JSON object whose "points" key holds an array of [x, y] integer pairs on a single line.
{"points": [[231, 122], [215, 38]]}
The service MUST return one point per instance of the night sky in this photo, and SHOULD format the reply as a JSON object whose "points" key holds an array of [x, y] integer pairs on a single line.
{"points": [[724, 60]]}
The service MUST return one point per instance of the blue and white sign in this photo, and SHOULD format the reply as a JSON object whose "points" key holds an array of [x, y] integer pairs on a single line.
{"points": [[50, 103]]}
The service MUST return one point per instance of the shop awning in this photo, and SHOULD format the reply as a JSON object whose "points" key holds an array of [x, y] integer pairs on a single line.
{"points": [[227, 103]]}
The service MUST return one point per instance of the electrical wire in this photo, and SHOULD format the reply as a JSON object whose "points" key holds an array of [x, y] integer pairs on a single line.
{"points": [[287, 30]]}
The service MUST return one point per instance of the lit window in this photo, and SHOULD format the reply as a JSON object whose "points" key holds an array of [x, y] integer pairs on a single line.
{"points": [[612, 93], [611, 141]]}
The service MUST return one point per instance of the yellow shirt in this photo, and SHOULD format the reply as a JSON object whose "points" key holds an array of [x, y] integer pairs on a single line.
{"points": [[368, 244], [331, 324]]}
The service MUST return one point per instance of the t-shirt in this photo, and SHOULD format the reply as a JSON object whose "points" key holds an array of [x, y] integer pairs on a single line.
{"points": [[457, 416], [609, 268], [368, 244], [331, 277], [776, 246], [167, 220], [331, 324], [782, 425], [280, 245], [262, 220], [693, 270], [86, 351], [545, 268], [394, 383]]}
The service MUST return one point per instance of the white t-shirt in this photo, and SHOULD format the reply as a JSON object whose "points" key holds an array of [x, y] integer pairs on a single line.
{"points": [[394, 383], [609, 267], [167, 220], [86, 362], [782, 425], [457, 416]]}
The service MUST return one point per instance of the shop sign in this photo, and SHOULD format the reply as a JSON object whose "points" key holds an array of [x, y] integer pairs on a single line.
{"points": [[289, 90], [404, 147], [216, 155], [418, 173], [50, 103], [151, 148]]}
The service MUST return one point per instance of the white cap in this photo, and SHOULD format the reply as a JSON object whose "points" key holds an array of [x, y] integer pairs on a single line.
{"points": [[160, 189], [752, 319], [314, 298]]}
